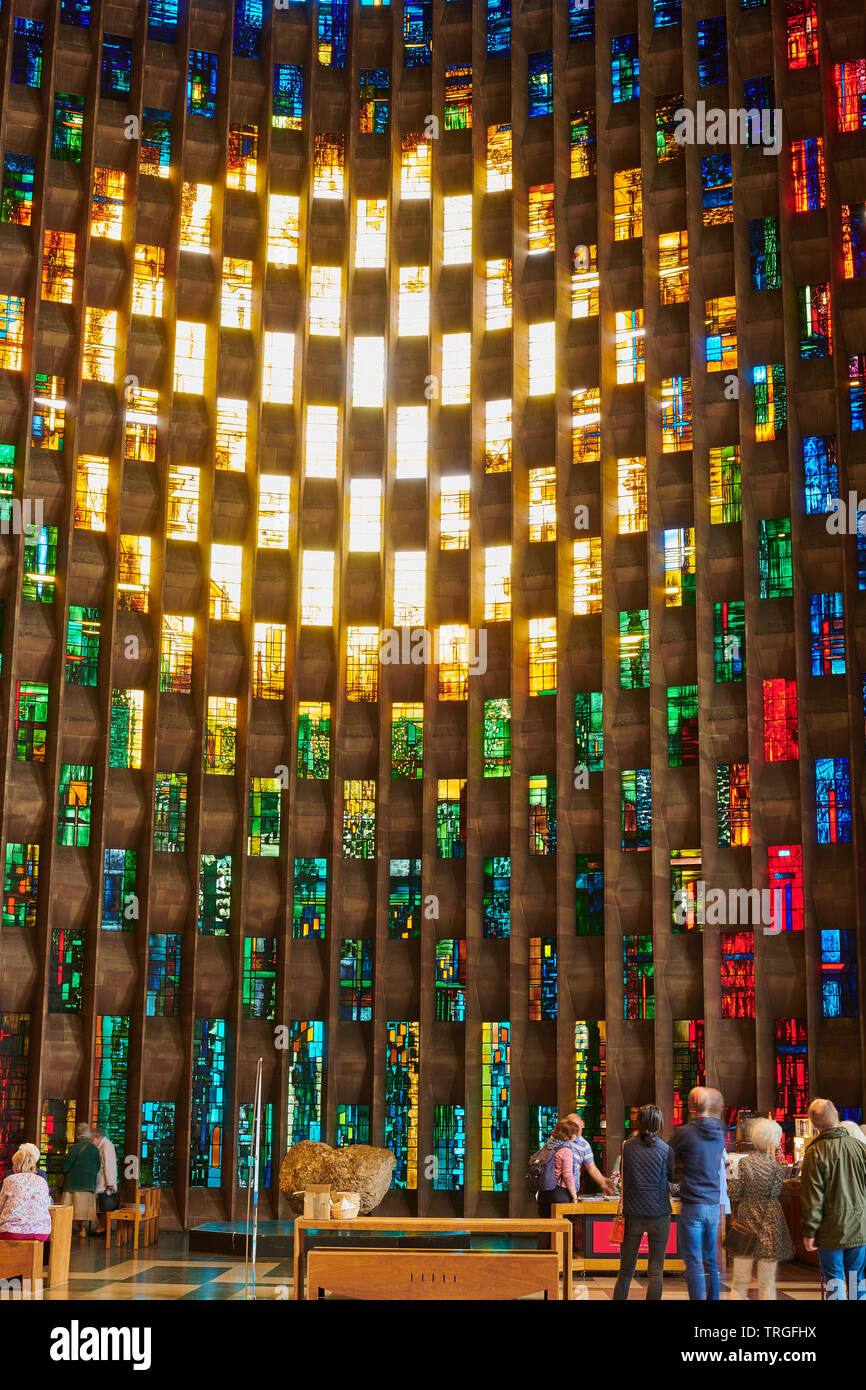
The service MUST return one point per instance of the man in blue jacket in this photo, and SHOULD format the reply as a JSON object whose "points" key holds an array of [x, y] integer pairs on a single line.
{"points": [[698, 1148]]}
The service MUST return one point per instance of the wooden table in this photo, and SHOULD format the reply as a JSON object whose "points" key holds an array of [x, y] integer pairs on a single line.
{"points": [[594, 1218], [436, 1273]]}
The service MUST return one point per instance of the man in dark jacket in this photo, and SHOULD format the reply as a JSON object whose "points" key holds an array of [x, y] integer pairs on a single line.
{"points": [[698, 1148], [833, 1203]]}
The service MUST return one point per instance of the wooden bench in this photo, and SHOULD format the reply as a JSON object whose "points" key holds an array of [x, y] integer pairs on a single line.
{"points": [[140, 1216], [433, 1274], [354, 1270], [25, 1259]]}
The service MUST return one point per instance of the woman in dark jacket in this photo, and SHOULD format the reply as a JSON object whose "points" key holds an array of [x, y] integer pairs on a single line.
{"points": [[647, 1170], [757, 1185]]}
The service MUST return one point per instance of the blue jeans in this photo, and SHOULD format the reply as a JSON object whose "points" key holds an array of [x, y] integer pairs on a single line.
{"points": [[845, 1273], [698, 1227]]}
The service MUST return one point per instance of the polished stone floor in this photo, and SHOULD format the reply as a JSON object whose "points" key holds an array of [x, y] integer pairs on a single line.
{"points": [[168, 1272]]}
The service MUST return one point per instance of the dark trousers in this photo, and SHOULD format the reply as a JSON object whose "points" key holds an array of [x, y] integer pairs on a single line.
{"points": [[657, 1229], [546, 1200]]}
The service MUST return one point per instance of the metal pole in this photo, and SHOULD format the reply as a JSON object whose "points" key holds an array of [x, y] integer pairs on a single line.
{"points": [[253, 1191], [257, 1138]]}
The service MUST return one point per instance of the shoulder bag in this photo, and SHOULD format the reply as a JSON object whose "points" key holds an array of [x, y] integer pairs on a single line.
{"points": [[617, 1225]]}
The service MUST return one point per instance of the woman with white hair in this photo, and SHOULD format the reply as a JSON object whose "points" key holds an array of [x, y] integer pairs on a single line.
{"points": [[25, 1202], [80, 1172], [856, 1131], [757, 1186]]}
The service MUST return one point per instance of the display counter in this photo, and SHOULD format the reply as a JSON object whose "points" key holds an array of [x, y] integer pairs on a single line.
{"points": [[592, 1248], [790, 1199]]}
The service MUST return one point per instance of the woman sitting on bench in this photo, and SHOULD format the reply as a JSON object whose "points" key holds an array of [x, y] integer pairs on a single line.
{"points": [[25, 1202]]}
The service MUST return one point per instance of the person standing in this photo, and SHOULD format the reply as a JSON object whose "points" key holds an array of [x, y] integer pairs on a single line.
{"points": [[583, 1161], [647, 1170], [698, 1148], [106, 1181], [833, 1203], [757, 1186], [80, 1172]]}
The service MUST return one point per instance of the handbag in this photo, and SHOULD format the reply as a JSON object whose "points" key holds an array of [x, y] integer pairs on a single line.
{"points": [[739, 1239], [108, 1201], [617, 1225]]}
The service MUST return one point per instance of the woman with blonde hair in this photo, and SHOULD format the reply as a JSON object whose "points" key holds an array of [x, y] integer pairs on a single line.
{"points": [[856, 1131], [25, 1202], [757, 1186]]}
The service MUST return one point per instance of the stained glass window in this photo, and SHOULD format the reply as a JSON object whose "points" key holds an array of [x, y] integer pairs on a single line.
{"points": [[737, 974], [785, 864], [729, 640], [73, 816], [157, 1142], [833, 800], [214, 894], [495, 1109], [288, 110], [638, 970], [781, 736], [682, 725], [163, 975], [169, 817], [66, 971], [588, 735], [636, 809], [497, 738], [827, 623], [404, 899], [20, 884], [401, 1100], [119, 903], [449, 1148], [260, 977], [542, 978], [712, 51], [407, 741], [733, 805], [306, 1071], [624, 67], [542, 814], [838, 973], [589, 894], [310, 897], [208, 1102], [14, 1064], [263, 838], [496, 896], [689, 1063], [202, 83], [356, 980]]}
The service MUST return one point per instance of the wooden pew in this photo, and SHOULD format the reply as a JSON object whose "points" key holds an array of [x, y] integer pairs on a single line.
{"points": [[61, 1245], [25, 1259]]}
